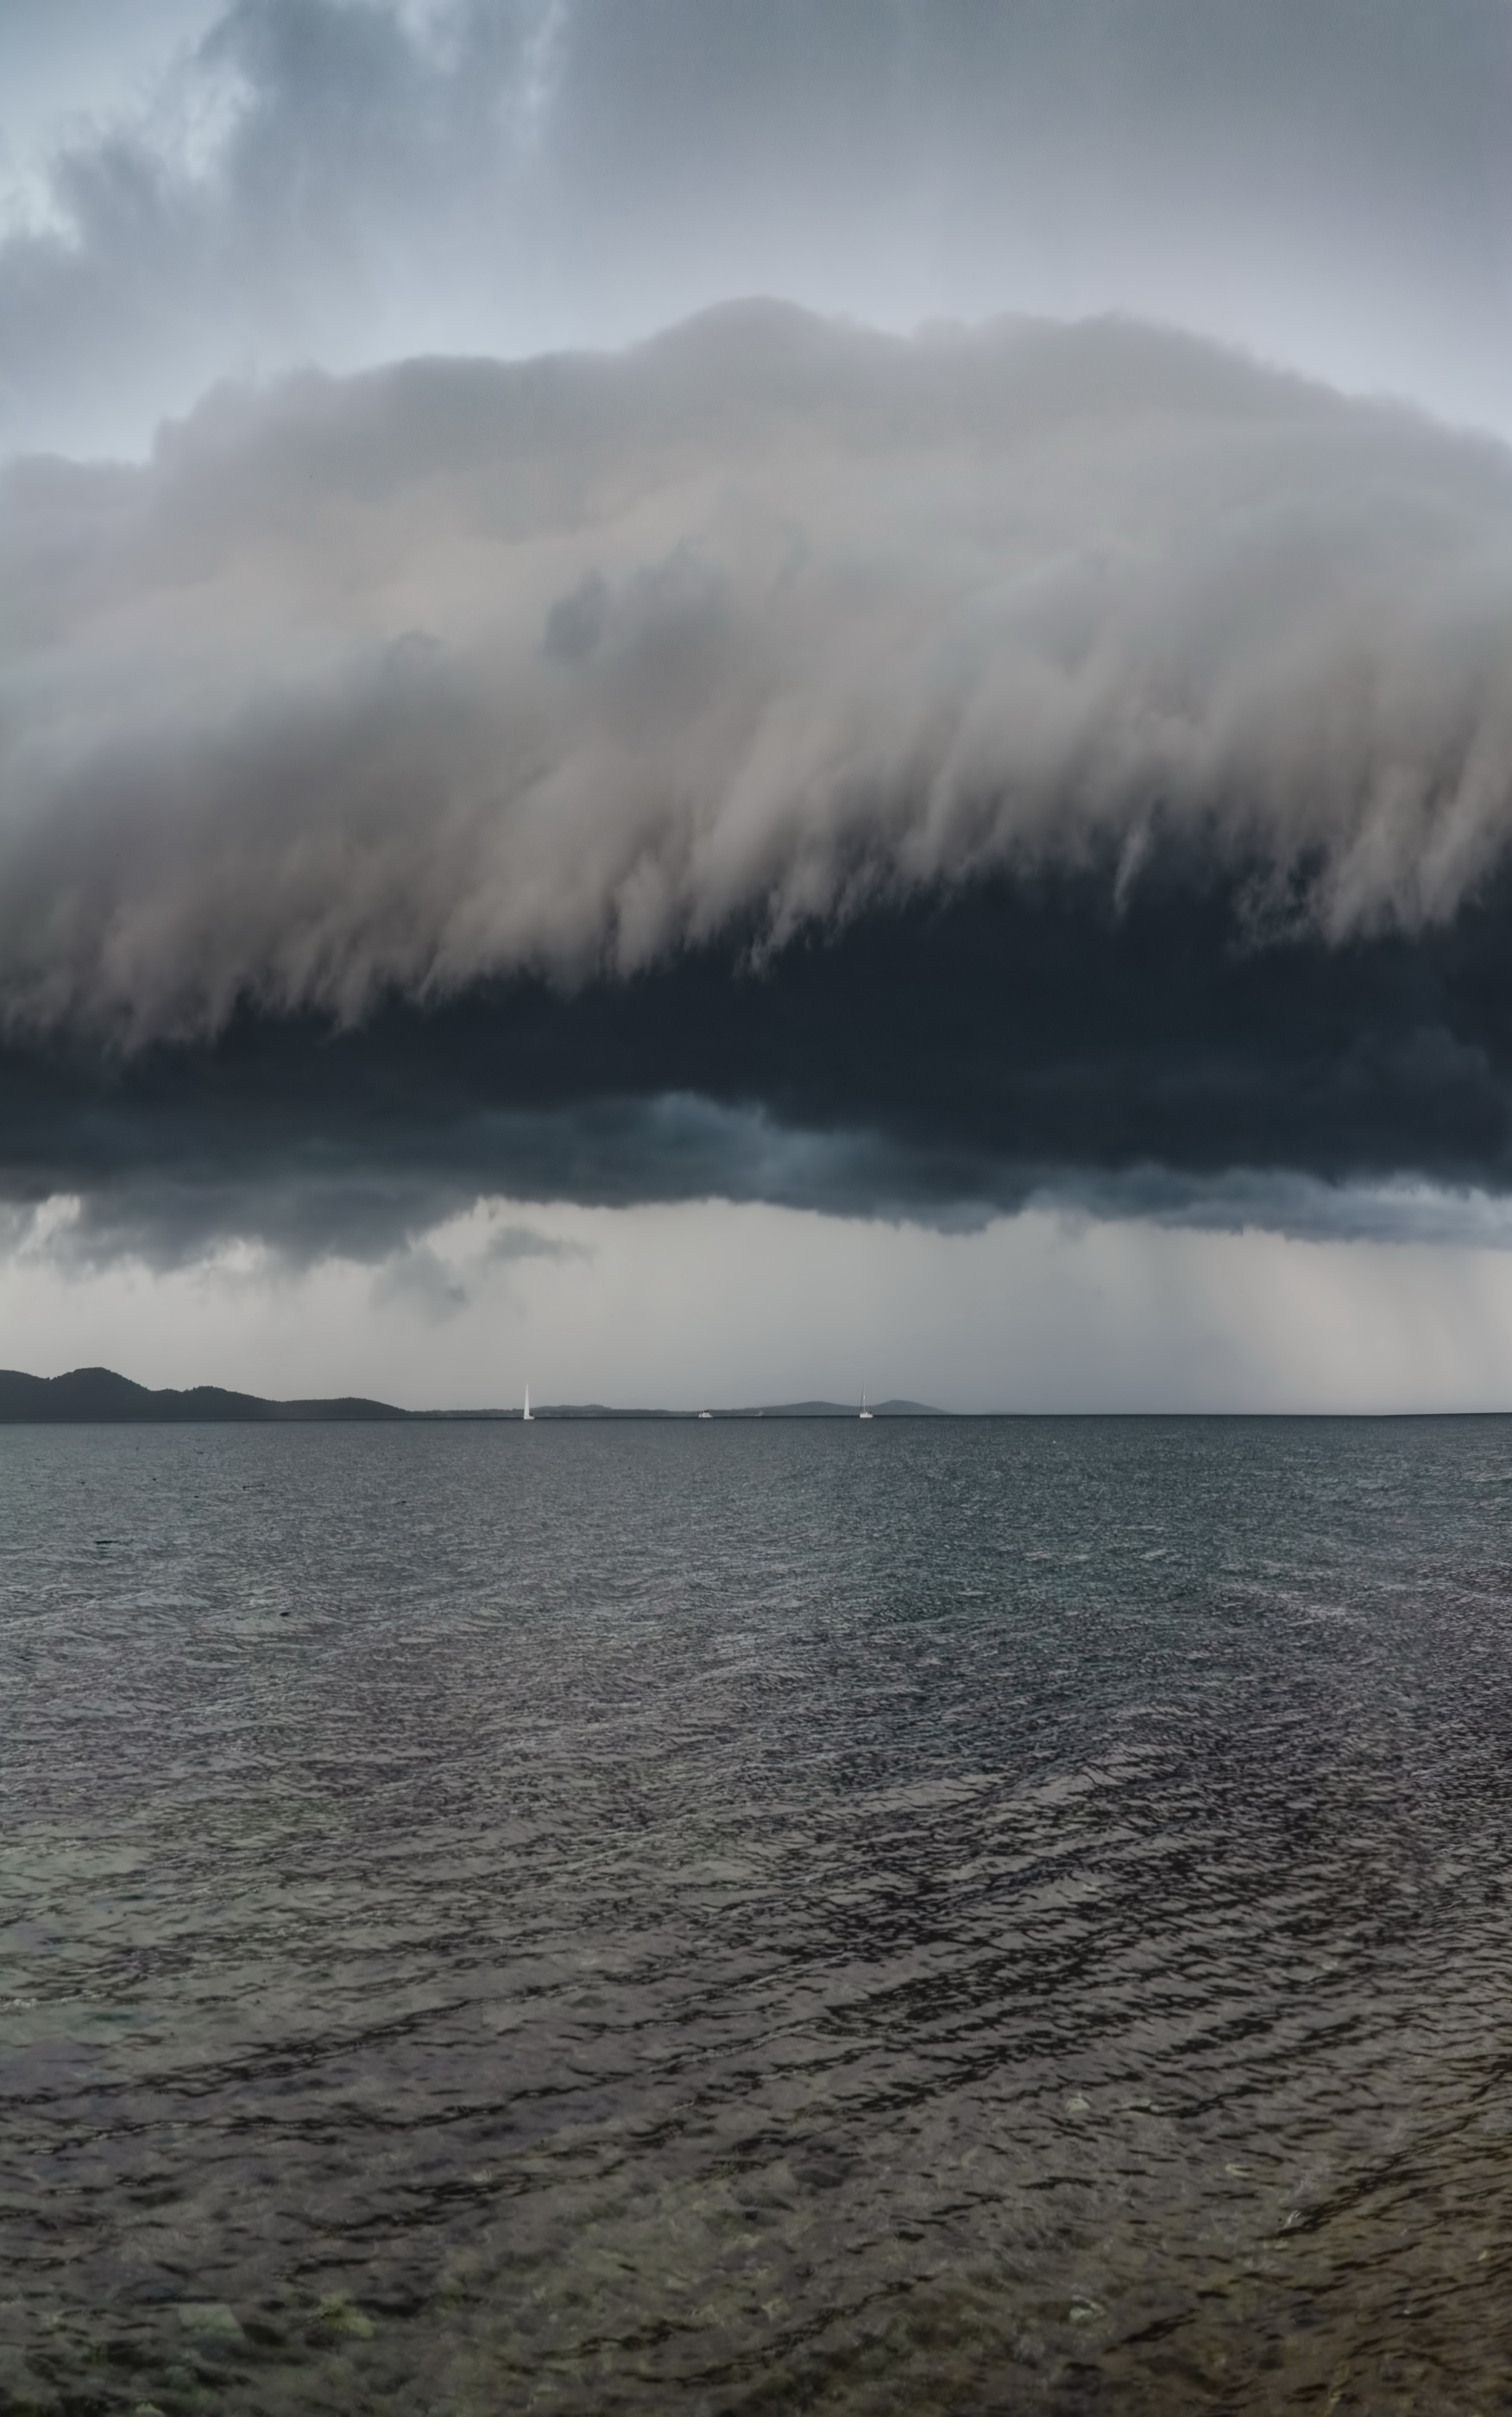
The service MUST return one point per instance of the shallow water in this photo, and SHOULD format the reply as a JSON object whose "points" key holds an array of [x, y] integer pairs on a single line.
{"points": [[998, 1916]]}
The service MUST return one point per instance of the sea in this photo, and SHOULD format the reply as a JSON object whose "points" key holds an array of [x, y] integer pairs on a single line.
{"points": [[982, 1916]]}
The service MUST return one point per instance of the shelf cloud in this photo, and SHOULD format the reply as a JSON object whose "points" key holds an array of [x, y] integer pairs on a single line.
{"points": [[779, 760]]}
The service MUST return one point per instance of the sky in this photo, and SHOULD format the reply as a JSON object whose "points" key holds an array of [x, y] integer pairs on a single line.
{"points": [[714, 699]]}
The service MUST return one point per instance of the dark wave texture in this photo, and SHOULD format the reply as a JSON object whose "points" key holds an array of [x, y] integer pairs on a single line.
{"points": [[1001, 1915]]}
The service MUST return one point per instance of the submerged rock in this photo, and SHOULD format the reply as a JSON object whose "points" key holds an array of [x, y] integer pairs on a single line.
{"points": [[340, 2317], [210, 2319]]}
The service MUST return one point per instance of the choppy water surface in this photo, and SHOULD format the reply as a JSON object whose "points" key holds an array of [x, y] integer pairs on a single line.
{"points": [[896, 1919]]}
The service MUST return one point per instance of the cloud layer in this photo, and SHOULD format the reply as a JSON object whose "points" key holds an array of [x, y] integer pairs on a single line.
{"points": [[781, 760], [461, 671]]}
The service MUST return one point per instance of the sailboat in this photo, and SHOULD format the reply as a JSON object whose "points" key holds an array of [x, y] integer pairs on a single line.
{"points": [[527, 1412], [864, 1412]]}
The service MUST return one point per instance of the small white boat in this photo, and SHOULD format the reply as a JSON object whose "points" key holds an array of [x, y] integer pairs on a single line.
{"points": [[864, 1412], [527, 1412], [706, 1414]]}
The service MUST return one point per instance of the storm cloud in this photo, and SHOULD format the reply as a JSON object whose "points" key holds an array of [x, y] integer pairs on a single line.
{"points": [[345, 181], [778, 761]]}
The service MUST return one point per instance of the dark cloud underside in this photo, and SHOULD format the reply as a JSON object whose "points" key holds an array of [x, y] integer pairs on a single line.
{"points": [[960, 1055]]}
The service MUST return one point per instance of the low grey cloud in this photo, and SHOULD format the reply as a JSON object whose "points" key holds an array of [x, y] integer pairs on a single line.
{"points": [[910, 778], [457, 672], [441, 1285], [509, 1244], [419, 1279]]}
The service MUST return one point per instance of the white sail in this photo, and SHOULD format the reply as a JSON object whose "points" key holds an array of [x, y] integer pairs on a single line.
{"points": [[864, 1412], [529, 1412]]}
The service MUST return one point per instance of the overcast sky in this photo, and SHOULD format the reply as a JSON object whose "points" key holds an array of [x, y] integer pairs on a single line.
{"points": [[924, 804]]}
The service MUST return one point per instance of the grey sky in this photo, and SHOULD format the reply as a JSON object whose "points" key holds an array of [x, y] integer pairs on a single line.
{"points": [[343, 181], [377, 690]]}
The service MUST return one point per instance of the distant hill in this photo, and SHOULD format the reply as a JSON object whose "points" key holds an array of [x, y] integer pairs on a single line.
{"points": [[91, 1396], [895, 1409], [583, 1411], [98, 1396]]}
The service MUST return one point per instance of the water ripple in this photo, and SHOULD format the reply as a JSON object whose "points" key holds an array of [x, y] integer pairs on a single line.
{"points": [[1005, 1916]]}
